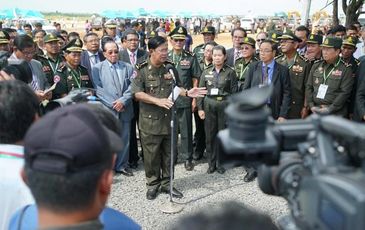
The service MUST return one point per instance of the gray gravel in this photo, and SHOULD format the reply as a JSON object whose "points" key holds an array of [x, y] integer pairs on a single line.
{"points": [[200, 190]]}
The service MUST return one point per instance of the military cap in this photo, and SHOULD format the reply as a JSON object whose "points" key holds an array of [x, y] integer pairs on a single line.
{"points": [[74, 45], [350, 40], [249, 41], [151, 34], [208, 30], [135, 24], [4, 37], [50, 38], [274, 36], [111, 24], [315, 39], [179, 33], [49, 148], [332, 42], [289, 35]]}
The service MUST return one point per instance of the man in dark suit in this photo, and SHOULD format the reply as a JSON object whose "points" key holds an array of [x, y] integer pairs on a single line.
{"points": [[92, 55], [133, 55], [269, 72], [238, 34], [112, 79]]}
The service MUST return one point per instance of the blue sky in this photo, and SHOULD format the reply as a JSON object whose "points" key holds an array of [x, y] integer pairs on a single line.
{"points": [[227, 7]]}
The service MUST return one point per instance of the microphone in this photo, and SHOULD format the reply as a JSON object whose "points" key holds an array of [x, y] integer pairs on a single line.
{"points": [[170, 68]]}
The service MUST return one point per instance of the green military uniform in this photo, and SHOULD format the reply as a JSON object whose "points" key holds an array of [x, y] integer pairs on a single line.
{"points": [[203, 65], [330, 85], [199, 50], [154, 122], [188, 68], [68, 78], [220, 86], [49, 65], [4, 39], [299, 68], [314, 39]]}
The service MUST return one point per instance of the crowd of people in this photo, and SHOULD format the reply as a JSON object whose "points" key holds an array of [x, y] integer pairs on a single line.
{"points": [[133, 75]]}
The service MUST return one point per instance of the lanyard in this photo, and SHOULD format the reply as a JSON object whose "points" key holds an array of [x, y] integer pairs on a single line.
{"points": [[244, 70], [325, 77], [178, 61], [74, 75], [52, 66], [295, 59]]}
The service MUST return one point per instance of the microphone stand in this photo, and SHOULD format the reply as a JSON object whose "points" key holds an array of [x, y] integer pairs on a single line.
{"points": [[172, 207]]}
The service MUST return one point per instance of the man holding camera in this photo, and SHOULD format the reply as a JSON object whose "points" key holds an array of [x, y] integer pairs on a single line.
{"points": [[330, 81]]}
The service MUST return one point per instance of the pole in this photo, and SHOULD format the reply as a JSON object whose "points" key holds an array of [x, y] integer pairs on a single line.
{"points": [[307, 7]]}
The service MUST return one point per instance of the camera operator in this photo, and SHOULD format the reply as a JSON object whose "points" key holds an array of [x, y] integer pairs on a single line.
{"points": [[269, 72], [330, 81]]}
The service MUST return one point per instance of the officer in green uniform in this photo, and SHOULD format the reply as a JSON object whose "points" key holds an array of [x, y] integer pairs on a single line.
{"points": [[299, 68], [330, 81], [52, 60], [208, 36], [189, 72], [221, 82], [242, 64], [314, 52], [72, 75], [207, 59], [4, 48], [152, 88]]}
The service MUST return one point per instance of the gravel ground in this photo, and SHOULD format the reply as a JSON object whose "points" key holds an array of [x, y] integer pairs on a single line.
{"points": [[200, 190]]}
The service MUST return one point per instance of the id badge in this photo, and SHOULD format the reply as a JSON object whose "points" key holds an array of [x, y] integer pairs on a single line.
{"points": [[214, 91], [322, 91]]}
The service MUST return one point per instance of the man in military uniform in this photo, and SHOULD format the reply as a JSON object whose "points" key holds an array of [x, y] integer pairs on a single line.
{"points": [[152, 88], [189, 72], [72, 75], [314, 52], [52, 60], [242, 64], [299, 68], [111, 31], [330, 81], [4, 48], [221, 82], [207, 59], [348, 50], [208, 36]]}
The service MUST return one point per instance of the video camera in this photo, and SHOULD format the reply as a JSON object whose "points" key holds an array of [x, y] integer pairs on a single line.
{"points": [[316, 164]]}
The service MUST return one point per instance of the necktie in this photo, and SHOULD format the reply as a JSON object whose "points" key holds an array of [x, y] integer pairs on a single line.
{"points": [[265, 78], [236, 56], [133, 58], [116, 80], [94, 59]]}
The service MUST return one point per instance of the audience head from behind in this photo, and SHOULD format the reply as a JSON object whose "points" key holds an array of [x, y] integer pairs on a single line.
{"points": [[69, 157], [229, 215]]}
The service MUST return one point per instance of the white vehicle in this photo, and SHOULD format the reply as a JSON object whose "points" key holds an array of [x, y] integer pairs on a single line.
{"points": [[248, 24], [226, 24]]}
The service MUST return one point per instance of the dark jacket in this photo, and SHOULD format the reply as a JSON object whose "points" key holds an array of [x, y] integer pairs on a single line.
{"points": [[281, 96], [85, 61], [142, 55]]}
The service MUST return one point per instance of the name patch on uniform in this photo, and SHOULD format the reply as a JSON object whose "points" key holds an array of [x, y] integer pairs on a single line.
{"points": [[337, 73], [46, 68], [298, 69], [209, 77], [167, 76], [84, 78]]}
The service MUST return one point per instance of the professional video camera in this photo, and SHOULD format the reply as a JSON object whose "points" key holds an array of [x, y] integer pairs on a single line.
{"points": [[316, 164]]}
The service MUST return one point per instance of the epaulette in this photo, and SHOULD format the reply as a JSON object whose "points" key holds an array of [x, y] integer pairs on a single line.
{"points": [[188, 52], [168, 61], [303, 58], [209, 66], [255, 58], [346, 64], [357, 61], [279, 56], [141, 65], [229, 67], [61, 68], [316, 61]]}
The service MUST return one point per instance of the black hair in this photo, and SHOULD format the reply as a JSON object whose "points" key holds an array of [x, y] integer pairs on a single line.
{"points": [[240, 29], [40, 31], [88, 35], [19, 106], [9, 30], [274, 45], [351, 27], [20, 69], [303, 28], [63, 32], [72, 35], [212, 43], [129, 31], [338, 28], [155, 42], [28, 25], [23, 41], [60, 37], [221, 48], [229, 215], [105, 40]]}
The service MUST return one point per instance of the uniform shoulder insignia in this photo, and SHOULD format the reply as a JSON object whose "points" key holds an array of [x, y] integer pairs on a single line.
{"points": [[279, 56], [317, 61], [303, 58], [357, 61], [189, 53], [348, 64], [229, 67], [61, 68], [255, 59], [170, 62], [141, 65]]}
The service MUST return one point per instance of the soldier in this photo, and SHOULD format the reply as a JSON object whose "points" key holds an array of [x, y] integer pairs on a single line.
{"points": [[299, 68], [348, 50], [247, 57], [189, 72], [72, 75], [152, 88], [221, 82], [209, 36], [330, 81], [314, 52], [52, 60], [207, 59], [4, 48]]}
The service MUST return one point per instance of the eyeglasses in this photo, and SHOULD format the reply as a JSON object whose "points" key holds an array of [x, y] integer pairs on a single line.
{"points": [[245, 48], [261, 40], [112, 52]]}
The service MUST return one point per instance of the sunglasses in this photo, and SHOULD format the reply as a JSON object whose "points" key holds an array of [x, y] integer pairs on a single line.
{"points": [[179, 40], [261, 40]]}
